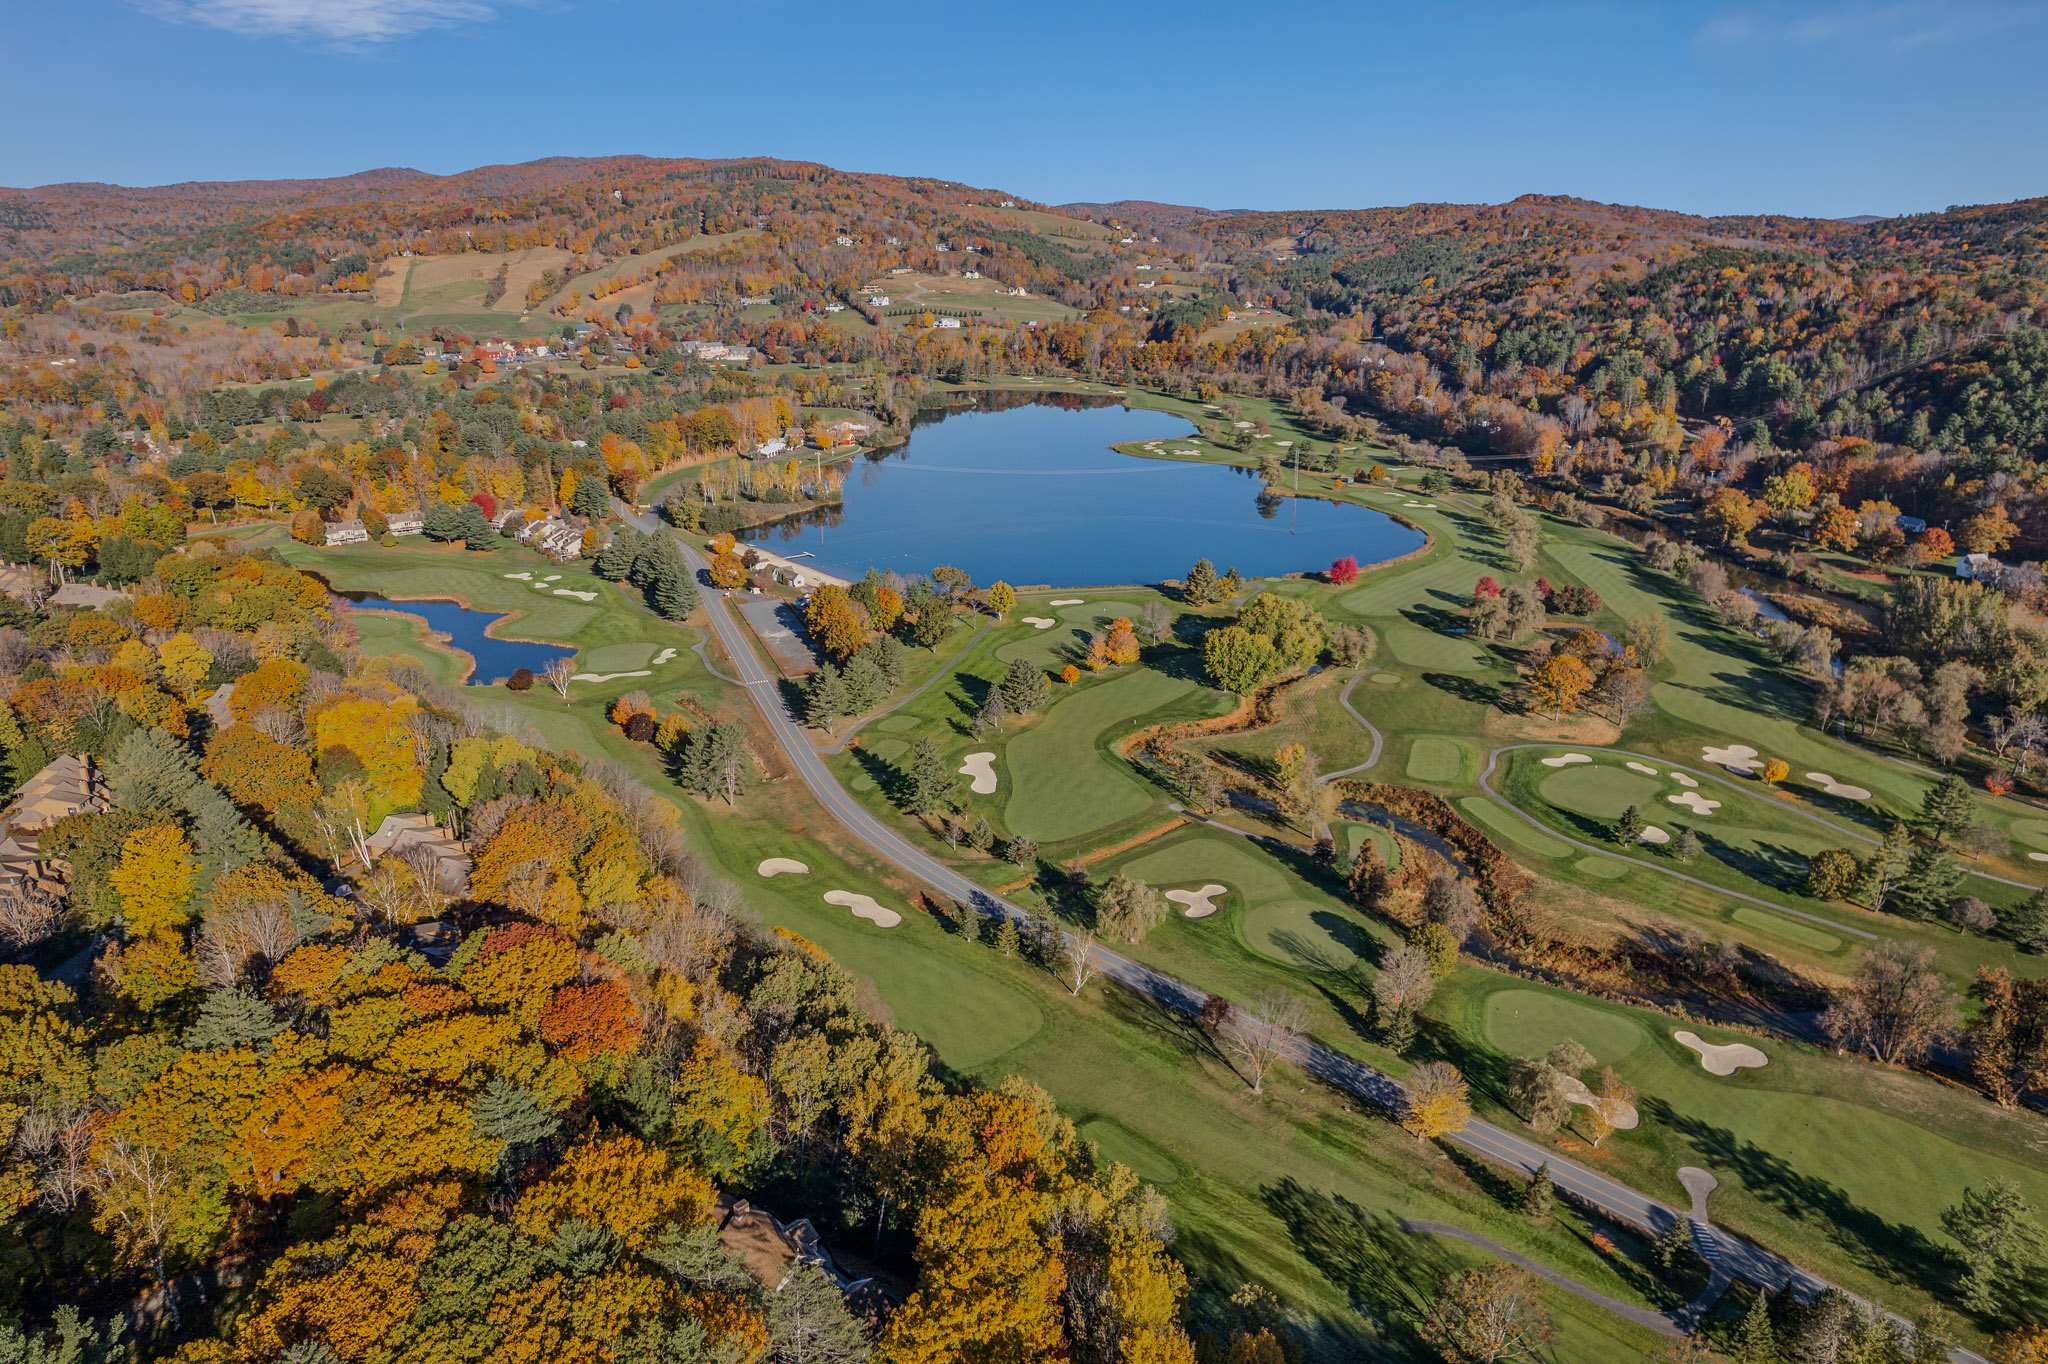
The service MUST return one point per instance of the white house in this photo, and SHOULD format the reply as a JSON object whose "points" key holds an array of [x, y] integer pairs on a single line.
{"points": [[878, 300], [842, 241], [970, 274], [346, 533], [835, 307], [1977, 567], [946, 323], [407, 523]]}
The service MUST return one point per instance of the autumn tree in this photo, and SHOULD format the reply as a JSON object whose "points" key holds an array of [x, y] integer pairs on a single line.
{"points": [[1488, 1314], [1438, 1102], [1559, 683]]}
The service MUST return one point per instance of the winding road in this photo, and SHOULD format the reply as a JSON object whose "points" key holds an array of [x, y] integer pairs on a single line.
{"points": [[1733, 1254]]}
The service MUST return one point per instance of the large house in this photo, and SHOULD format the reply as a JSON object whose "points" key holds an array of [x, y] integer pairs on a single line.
{"points": [[845, 431], [772, 1249], [421, 836], [717, 352], [69, 785], [554, 537], [347, 533]]}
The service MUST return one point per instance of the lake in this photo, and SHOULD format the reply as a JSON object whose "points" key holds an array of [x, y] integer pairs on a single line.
{"points": [[494, 659], [1034, 494]]}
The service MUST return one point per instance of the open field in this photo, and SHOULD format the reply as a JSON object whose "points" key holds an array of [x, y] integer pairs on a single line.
{"points": [[950, 293], [582, 284]]}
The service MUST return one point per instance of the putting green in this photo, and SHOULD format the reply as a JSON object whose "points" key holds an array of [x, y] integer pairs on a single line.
{"points": [[887, 749], [615, 658], [1197, 857], [1600, 789], [1356, 836], [1791, 930], [1531, 1022], [1119, 1143], [1600, 868], [1064, 784], [1420, 648], [1436, 758], [2032, 832], [1303, 934], [898, 724], [1512, 827], [1386, 679]]}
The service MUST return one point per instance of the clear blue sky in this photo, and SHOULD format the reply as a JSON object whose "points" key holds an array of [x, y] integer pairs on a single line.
{"points": [[1827, 109]]}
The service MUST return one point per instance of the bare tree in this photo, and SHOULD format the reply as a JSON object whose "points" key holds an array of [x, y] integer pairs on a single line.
{"points": [[1261, 1033], [135, 1188], [559, 673], [1896, 1008], [28, 914], [1077, 960], [56, 1134]]}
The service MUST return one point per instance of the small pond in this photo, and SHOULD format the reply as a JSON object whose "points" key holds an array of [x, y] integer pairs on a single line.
{"points": [[1034, 494], [494, 659]]}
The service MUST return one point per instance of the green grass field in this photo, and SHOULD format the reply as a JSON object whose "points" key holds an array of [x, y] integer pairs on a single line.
{"points": [[1061, 789]]}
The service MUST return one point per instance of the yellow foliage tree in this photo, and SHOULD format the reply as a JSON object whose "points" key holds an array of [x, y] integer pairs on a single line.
{"points": [[154, 879]]}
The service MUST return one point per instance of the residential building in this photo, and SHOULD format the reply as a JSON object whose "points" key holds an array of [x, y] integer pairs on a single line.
{"points": [[346, 533], [951, 324], [70, 785], [407, 523], [419, 839], [878, 300], [772, 1249]]}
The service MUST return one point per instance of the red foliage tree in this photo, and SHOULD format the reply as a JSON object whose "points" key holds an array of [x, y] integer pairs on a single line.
{"points": [[486, 503], [1344, 570], [1484, 588]]}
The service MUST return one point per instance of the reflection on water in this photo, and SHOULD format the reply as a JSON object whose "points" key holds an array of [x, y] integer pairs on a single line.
{"points": [[1032, 493], [496, 659]]}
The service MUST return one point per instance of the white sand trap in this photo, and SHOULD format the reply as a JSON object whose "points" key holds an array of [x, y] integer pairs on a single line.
{"points": [[1623, 1116], [864, 907], [981, 767], [782, 866], [2037, 857], [1423, 505], [1735, 757], [1244, 426], [572, 592], [1684, 780], [1066, 601], [1695, 802], [1040, 622], [551, 577], [1567, 759], [1725, 1058], [1652, 834], [606, 677], [1643, 768], [1837, 788], [519, 577], [664, 656], [1199, 903]]}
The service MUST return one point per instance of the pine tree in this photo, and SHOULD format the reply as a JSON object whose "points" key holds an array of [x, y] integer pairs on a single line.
{"points": [[1024, 688], [927, 783], [1686, 847], [505, 1110], [2026, 922], [674, 595], [1756, 1341], [824, 698], [1538, 1194], [1932, 883], [1630, 828], [1199, 587], [1021, 852], [615, 560], [150, 774], [1673, 1251], [1006, 937], [232, 1018], [993, 712], [1947, 810], [1884, 870]]}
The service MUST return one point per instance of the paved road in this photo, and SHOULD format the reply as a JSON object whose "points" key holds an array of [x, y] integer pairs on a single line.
{"points": [[1618, 1201], [1372, 756]]}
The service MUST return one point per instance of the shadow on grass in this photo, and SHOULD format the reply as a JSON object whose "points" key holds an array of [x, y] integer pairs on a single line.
{"points": [[1471, 689], [1389, 1275], [1781, 868], [1889, 1249]]}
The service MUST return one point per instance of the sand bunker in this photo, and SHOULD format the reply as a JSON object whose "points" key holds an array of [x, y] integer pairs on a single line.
{"points": [[1197, 904], [664, 656], [1566, 759], [1684, 780], [981, 767], [2037, 857], [1735, 757], [1623, 1116], [1066, 601], [1643, 768], [606, 677], [1695, 802], [519, 577], [1837, 788], [1652, 834], [864, 907], [551, 577], [1419, 504], [1725, 1058], [782, 866], [572, 592], [1040, 622], [1244, 426]]}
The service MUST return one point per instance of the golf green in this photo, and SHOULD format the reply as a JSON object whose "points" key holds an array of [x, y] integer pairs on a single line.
{"points": [[1599, 789], [1304, 934], [1531, 1022], [1066, 785], [1436, 758]]}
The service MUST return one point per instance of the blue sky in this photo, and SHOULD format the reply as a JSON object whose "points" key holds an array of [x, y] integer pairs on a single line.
{"points": [[1827, 109]]}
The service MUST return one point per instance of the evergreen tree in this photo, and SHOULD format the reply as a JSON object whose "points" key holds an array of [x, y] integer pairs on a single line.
{"points": [[1006, 940], [1024, 688], [1021, 852], [1881, 873], [473, 528], [1947, 810], [151, 774], [928, 785], [615, 560], [232, 1018], [1756, 1341], [592, 497], [1933, 882], [507, 1111], [1674, 1251], [674, 595], [824, 698], [1686, 846], [1630, 828], [808, 1321], [1537, 1193], [864, 684], [993, 712], [2026, 922], [225, 839], [1199, 587]]}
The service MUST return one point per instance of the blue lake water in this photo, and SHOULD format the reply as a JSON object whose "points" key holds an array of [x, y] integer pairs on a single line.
{"points": [[1034, 494], [496, 659]]}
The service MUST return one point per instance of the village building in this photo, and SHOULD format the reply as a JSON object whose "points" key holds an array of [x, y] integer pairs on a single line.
{"points": [[346, 533], [420, 840], [407, 523], [69, 785]]}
